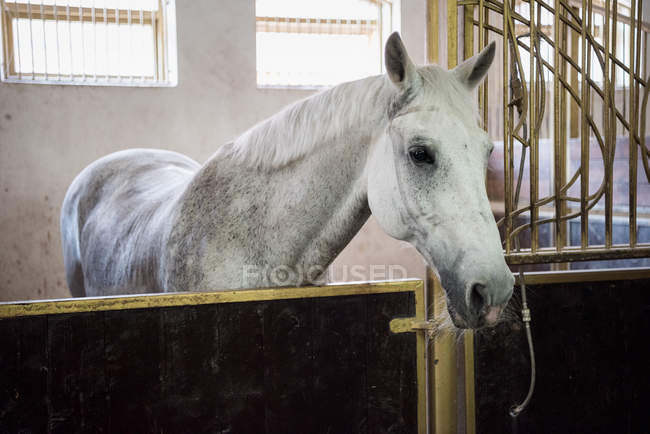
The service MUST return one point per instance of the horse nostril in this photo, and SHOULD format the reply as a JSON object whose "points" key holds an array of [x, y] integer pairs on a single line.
{"points": [[478, 299]]}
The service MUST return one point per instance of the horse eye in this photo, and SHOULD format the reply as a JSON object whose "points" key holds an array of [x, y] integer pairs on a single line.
{"points": [[420, 155]]}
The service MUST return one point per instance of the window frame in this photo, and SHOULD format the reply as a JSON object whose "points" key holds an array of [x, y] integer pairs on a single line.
{"points": [[293, 23], [163, 21]]}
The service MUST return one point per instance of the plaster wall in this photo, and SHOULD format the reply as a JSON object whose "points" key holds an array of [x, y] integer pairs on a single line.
{"points": [[48, 134]]}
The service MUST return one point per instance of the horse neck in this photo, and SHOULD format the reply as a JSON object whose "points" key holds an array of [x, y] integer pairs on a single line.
{"points": [[308, 172]]}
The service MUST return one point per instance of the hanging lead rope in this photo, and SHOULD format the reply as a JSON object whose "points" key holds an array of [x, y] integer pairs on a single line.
{"points": [[525, 314], [518, 100]]}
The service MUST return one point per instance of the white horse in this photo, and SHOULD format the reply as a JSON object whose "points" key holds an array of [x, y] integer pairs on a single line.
{"points": [[283, 199]]}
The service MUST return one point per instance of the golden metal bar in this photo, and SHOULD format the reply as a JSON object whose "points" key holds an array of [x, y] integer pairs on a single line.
{"points": [[483, 17], [606, 124], [452, 34], [433, 29], [633, 156], [565, 56], [507, 149], [94, 304], [470, 404], [573, 113], [584, 137], [547, 256], [442, 368], [557, 133], [430, 313], [636, 81], [468, 32], [545, 277], [561, 70], [422, 354], [533, 136], [612, 117]]}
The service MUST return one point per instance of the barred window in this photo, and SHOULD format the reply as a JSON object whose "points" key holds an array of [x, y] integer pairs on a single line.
{"points": [[93, 42], [311, 43]]}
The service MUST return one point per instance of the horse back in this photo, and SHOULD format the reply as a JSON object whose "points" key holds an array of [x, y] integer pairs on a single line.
{"points": [[115, 218]]}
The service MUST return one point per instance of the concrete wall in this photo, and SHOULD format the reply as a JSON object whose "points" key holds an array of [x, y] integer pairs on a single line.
{"points": [[50, 133]]}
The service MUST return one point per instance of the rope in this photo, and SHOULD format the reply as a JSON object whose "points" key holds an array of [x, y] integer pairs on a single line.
{"points": [[516, 88], [525, 313]]}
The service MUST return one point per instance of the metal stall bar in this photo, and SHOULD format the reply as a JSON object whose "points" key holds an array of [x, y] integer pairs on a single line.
{"points": [[507, 137], [606, 122], [633, 156], [557, 130], [432, 31], [533, 136], [584, 135]]}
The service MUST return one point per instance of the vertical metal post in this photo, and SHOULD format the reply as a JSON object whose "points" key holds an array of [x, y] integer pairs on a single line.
{"points": [[442, 367], [533, 134], [574, 124], [611, 127], [507, 148], [557, 129], [633, 156], [606, 123], [468, 31], [584, 134], [482, 41], [433, 28], [561, 70], [452, 33]]}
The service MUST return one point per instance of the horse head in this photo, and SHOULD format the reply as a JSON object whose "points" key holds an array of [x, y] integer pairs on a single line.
{"points": [[426, 182]]}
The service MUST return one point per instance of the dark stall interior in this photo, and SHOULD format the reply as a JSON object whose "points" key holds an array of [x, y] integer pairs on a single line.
{"points": [[592, 358]]}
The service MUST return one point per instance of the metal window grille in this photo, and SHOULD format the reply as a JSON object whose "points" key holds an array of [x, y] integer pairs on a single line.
{"points": [[314, 43], [91, 42], [570, 113]]}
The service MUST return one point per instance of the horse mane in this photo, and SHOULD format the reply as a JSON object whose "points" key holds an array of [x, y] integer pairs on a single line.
{"points": [[301, 127]]}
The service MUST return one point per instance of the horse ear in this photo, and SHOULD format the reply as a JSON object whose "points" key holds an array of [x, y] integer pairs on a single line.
{"points": [[401, 70], [472, 71]]}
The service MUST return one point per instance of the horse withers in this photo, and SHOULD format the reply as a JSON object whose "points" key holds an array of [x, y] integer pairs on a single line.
{"points": [[290, 193]]}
